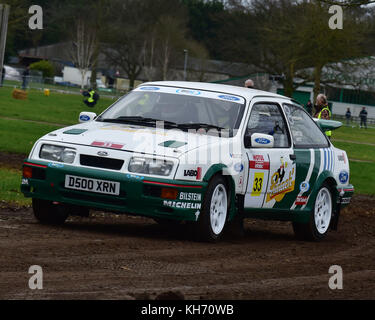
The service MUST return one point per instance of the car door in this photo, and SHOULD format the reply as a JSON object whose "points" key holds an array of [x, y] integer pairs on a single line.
{"points": [[272, 171], [312, 153]]}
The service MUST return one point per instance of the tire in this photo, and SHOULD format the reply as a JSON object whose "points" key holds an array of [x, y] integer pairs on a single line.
{"points": [[213, 217], [320, 217], [48, 213]]}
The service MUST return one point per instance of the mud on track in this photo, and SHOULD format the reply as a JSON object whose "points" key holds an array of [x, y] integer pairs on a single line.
{"points": [[122, 257]]}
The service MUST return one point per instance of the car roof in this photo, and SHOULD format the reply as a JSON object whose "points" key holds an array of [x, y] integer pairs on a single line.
{"points": [[224, 88]]}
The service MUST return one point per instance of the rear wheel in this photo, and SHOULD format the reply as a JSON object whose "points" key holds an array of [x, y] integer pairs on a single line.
{"points": [[48, 213], [320, 218], [213, 217]]}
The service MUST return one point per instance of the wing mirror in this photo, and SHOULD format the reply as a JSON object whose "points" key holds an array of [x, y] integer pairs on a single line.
{"points": [[86, 116], [258, 140]]}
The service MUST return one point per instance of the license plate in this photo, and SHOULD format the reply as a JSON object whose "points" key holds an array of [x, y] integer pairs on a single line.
{"points": [[92, 185]]}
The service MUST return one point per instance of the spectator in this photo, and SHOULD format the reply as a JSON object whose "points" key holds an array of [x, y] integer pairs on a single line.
{"points": [[348, 116], [25, 77], [249, 84], [91, 97], [363, 116], [322, 110], [309, 107]]}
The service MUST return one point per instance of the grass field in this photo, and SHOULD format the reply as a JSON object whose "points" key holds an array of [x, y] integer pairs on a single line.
{"points": [[17, 136], [57, 108], [10, 181], [354, 135]]}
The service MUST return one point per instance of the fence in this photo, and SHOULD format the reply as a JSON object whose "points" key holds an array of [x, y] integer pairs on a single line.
{"points": [[354, 121], [14, 78]]}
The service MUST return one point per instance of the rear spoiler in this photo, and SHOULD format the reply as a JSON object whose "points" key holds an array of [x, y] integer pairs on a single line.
{"points": [[327, 125]]}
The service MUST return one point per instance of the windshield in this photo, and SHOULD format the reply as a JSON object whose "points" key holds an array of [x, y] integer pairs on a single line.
{"points": [[181, 108]]}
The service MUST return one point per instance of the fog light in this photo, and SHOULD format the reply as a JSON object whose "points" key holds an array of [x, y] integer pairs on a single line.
{"points": [[168, 193], [27, 172]]}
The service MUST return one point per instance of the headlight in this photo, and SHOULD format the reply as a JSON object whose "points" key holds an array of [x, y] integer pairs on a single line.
{"points": [[57, 153], [150, 166]]}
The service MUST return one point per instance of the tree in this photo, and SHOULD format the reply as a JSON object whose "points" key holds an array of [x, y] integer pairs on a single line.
{"points": [[321, 45], [45, 67], [82, 50], [280, 48]]}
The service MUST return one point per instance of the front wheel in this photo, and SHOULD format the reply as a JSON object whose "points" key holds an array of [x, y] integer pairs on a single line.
{"points": [[48, 213], [317, 228], [214, 213]]}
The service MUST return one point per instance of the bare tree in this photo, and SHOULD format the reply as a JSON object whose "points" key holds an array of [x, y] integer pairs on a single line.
{"points": [[83, 48]]}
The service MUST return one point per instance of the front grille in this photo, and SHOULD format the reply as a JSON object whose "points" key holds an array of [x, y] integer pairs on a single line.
{"points": [[100, 162]]}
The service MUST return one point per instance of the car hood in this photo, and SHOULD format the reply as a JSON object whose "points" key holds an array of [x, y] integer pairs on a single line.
{"points": [[133, 138]]}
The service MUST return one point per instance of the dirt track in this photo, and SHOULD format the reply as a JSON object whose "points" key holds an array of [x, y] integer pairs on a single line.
{"points": [[120, 257]]}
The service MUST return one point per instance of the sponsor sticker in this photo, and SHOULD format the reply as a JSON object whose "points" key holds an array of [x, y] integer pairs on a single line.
{"points": [[282, 182], [301, 200], [109, 145], [190, 196], [193, 173], [229, 98], [257, 184], [149, 88], [304, 186], [258, 162], [344, 176], [345, 200], [84, 117], [341, 157], [55, 165], [181, 205], [134, 176], [262, 141], [191, 92], [238, 167]]}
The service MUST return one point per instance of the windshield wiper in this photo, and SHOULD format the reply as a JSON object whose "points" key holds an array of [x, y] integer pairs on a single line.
{"points": [[199, 125], [137, 119]]}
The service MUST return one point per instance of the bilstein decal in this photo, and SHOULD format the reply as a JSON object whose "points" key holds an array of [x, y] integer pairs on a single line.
{"points": [[282, 182], [190, 196]]}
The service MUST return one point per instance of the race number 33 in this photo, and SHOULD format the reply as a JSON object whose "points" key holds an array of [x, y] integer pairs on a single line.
{"points": [[257, 184]]}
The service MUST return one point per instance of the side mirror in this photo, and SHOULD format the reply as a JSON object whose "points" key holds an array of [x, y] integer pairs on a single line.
{"points": [[261, 140], [86, 116]]}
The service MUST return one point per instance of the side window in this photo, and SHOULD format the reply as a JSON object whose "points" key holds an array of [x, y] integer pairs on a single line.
{"points": [[267, 118], [306, 133]]}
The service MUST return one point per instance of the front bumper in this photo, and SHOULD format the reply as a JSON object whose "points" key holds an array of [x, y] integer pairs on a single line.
{"points": [[138, 194]]}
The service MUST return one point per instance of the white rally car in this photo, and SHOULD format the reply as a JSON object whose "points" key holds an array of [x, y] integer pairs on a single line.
{"points": [[205, 153]]}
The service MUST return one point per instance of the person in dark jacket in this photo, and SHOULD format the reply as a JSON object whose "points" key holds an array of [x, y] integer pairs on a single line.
{"points": [[348, 116], [363, 116], [91, 97], [25, 77]]}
